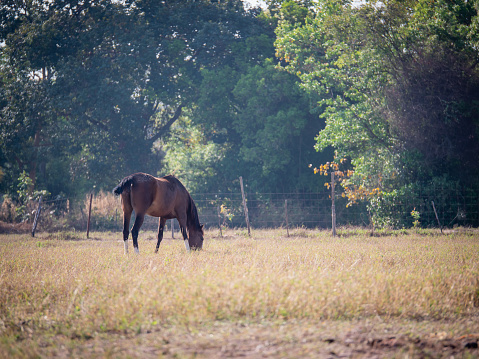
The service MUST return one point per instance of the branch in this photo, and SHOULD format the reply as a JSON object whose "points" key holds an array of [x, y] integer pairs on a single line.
{"points": [[368, 128], [473, 66], [97, 123], [166, 127]]}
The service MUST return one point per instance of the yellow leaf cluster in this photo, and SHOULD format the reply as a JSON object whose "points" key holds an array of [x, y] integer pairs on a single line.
{"points": [[358, 193]]}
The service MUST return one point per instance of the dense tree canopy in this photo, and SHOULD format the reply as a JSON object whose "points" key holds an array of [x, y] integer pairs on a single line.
{"points": [[93, 90], [82, 80], [398, 82]]}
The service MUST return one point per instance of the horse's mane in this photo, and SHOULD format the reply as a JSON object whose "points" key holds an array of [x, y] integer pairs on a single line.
{"points": [[193, 219]]}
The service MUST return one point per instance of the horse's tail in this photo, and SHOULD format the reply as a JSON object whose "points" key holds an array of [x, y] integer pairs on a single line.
{"points": [[125, 183]]}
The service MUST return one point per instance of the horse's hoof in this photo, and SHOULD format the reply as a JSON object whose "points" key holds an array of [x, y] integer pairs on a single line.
{"points": [[137, 251]]}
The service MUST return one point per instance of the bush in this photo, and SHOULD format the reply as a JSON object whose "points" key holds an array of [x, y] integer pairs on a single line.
{"points": [[105, 210], [454, 204], [8, 210]]}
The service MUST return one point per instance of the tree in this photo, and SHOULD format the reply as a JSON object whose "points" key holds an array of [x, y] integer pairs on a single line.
{"points": [[271, 122], [397, 82], [262, 115], [190, 156], [112, 78]]}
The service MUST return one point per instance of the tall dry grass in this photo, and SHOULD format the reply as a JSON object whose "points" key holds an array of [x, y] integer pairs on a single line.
{"points": [[104, 204], [80, 287]]}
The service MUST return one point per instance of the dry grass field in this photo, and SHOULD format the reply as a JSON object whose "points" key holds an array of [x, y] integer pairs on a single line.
{"points": [[396, 294]]}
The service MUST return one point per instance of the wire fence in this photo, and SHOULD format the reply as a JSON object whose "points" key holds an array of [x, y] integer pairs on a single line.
{"points": [[269, 210], [275, 210], [313, 210]]}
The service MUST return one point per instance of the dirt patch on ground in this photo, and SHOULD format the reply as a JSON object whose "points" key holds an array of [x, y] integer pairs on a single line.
{"points": [[340, 340], [332, 339]]}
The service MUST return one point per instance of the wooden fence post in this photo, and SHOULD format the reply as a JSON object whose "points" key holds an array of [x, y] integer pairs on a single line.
{"points": [[437, 217], [244, 206], [37, 216], [89, 217], [219, 220], [286, 216], [333, 206]]}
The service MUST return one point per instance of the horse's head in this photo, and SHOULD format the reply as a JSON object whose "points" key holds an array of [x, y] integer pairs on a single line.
{"points": [[196, 238]]}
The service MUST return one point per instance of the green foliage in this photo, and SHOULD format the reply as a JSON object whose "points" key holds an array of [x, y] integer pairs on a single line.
{"points": [[190, 156], [83, 85], [272, 117], [26, 195], [380, 72], [416, 216], [383, 211], [394, 209], [263, 118], [227, 214], [94, 91]]}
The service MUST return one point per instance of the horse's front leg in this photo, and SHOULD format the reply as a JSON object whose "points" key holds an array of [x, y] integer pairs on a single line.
{"points": [[161, 227], [136, 230], [182, 222], [185, 237]]}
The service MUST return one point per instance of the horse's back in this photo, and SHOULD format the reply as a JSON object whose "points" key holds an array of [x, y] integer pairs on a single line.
{"points": [[157, 197], [168, 198]]}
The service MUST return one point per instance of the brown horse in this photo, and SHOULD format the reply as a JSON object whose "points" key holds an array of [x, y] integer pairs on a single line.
{"points": [[165, 198]]}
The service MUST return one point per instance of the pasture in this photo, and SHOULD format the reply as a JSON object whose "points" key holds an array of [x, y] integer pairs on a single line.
{"points": [[396, 294]]}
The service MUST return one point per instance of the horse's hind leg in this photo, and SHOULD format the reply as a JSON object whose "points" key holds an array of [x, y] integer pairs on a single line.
{"points": [[161, 227], [136, 229], [126, 225]]}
